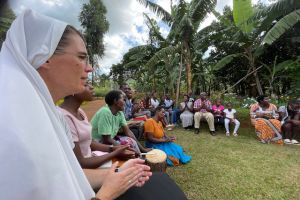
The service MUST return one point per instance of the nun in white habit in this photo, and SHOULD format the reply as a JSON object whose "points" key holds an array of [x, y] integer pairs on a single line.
{"points": [[37, 160]]}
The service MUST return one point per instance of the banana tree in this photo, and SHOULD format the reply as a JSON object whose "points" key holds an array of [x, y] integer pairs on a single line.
{"points": [[184, 21], [277, 18]]}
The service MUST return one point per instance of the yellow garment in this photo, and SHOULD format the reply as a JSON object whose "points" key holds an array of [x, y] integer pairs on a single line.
{"points": [[156, 129], [265, 132]]}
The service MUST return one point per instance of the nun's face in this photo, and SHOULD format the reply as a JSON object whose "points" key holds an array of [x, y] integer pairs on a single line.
{"points": [[70, 69]]}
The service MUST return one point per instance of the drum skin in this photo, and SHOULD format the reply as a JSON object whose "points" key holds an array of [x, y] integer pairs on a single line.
{"points": [[156, 160]]}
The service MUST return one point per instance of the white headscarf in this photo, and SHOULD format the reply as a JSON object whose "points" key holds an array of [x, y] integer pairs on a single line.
{"points": [[37, 160]]}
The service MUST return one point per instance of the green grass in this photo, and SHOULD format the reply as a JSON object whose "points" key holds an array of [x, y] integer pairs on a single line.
{"points": [[236, 167]]}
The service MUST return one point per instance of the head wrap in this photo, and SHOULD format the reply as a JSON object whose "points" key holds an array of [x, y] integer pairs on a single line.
{"points": [[37, 160]]}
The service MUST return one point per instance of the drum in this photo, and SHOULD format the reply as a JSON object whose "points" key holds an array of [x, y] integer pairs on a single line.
{"points": [[156, 159]]}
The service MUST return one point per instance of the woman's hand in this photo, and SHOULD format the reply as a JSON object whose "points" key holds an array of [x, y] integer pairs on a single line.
{"points": [[139, 163], [116, 183]]}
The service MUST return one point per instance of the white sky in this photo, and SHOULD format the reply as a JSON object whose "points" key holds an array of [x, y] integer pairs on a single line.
{"points": [[127, 28]]}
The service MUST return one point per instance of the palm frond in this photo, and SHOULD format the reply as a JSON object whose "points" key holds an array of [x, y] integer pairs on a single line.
{"points": [[273, 12], [160, 12], [226, 60], [282, 26], [242, 11], [161, 55], [198, 9], [154, 28]]}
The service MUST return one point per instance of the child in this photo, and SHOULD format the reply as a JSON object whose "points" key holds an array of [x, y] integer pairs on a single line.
{"points": [[218, 113], [230, 116]]}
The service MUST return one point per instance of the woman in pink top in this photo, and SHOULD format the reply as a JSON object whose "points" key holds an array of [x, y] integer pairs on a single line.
{"points": [[89, 153], [217, 111]]}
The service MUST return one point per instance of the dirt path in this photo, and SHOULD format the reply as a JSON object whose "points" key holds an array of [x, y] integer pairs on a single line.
{"points": [[90, 108]]}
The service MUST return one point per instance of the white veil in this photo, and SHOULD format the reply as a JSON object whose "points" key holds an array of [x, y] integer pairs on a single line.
{"points": [[37, 160]]}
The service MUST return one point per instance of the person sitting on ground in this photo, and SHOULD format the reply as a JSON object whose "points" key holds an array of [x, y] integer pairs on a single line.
{"points": [[166, 120], [109, 119], [265, 120], [90, 154], [170, 107], [45, 59], [290, 116], [202, 109], [128, 103], [217, 111], [136, 126], [145, 103], [154, 102], [230, 117], [138, 111], [187, 115], [156, 138]]}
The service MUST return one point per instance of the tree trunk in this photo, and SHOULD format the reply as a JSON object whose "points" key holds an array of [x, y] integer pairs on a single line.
{"points": [[188, 64], [252, 66], [178, 80]]}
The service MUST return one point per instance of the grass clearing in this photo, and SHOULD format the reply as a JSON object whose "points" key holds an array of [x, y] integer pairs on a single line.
{"points": [[236, 167]]}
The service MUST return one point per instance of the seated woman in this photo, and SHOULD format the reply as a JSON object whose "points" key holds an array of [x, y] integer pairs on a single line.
{"points": [[290, 120], [89, 153], [109, 119], [157, 139], [187, 115], [265, 120]]}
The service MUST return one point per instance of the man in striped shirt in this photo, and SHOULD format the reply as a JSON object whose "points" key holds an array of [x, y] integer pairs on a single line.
{"points": [[202, 108]]}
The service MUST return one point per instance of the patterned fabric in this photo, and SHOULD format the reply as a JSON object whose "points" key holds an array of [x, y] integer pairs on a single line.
{"points": [[198, 103], [268, 130]]}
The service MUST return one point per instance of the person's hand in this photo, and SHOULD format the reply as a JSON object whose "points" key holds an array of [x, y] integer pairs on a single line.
{"points": [[232, 120], [124, 152], [168, 139], [259, 115], [173, 138], [116, 183], [140, 163]]}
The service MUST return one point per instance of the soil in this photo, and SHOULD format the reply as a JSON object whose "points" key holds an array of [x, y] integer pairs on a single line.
{"points": [[90, 108]]}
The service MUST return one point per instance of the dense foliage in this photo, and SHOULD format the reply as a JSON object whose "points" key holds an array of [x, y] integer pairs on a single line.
{"points": [[252, 53]]}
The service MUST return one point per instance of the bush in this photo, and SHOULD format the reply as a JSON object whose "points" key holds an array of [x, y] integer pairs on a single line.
{"points": [[101, 91]]}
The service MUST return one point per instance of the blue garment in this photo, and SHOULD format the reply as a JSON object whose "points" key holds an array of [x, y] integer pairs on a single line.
{"points": [[171, 149]]}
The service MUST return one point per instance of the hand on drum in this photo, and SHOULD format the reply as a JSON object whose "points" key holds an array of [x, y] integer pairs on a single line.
{"points": [[116, 183], [140, 164], [124, 152]]}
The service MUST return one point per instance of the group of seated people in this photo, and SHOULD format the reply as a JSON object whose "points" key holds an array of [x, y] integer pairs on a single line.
{"points": [[191, 112], [108, 137], [272, 125]]}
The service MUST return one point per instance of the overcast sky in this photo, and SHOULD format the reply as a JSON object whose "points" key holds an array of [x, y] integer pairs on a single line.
{"points": [[127, 28]]}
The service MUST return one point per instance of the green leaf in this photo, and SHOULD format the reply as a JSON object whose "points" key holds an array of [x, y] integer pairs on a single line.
{"points": [[226, 60], [160, 12], [283, 25], [242, 11], [161, 55]]}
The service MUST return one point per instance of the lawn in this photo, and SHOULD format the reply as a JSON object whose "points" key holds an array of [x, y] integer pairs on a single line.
{"points": [[236, 167]]}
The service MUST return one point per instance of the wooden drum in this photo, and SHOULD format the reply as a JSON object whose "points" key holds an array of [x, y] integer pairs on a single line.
{"points": [[156, 159]]}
